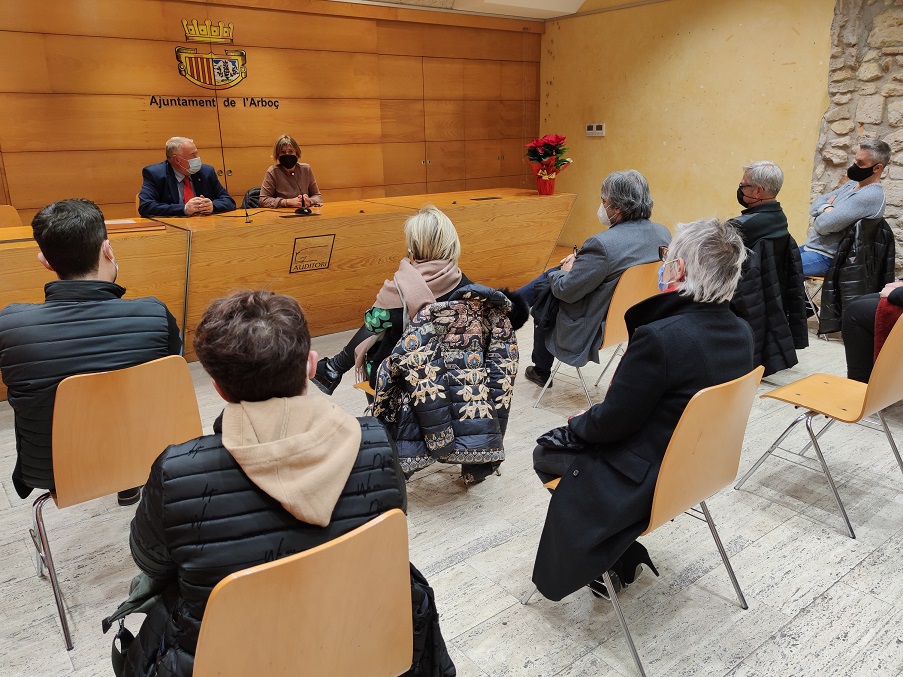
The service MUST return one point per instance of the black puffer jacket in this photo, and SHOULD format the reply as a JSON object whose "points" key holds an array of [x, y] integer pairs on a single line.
{"points": [[445, 390], [771, 298], [864, 263], [203, 517], [83, 326]]}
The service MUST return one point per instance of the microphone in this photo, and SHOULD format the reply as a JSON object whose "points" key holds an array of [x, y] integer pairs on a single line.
{"points": [[247, 216]]}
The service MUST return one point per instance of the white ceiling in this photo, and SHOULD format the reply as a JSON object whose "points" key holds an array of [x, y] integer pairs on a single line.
{"points": [[526, 9]]}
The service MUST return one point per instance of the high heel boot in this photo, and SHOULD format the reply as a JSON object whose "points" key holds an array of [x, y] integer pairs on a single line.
{"points": [[630, 564]]}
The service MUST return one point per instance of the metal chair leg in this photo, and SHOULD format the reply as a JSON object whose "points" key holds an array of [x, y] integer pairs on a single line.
{"points": [[770, 450], [818, 435], [890, 440], [723, 553], [42, 546], [606, 577], [548, 381], [618, 351], [528, 595], [824, 466], [585, 391]]}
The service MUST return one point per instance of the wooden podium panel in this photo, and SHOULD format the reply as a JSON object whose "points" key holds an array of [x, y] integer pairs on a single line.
{"points": [[341, 257], [151, 263]]}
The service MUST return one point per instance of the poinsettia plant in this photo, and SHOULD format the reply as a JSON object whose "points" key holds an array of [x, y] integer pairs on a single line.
{"points": [[546, 156]]}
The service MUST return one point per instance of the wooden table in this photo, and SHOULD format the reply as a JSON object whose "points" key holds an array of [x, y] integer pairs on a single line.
{"points": [[151, 263], [335, 262]]}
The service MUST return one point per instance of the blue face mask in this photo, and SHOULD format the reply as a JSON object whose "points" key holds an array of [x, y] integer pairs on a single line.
{"points": [[662, 285]]}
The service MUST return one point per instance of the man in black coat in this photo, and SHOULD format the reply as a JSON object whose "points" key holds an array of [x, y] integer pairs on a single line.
{"points": [[680, 342], [182, 185], [83, 326], [770, 294]]}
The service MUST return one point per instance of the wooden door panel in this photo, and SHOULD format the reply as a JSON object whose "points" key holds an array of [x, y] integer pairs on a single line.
{"points": [[445, 161], [481, 159], [512, 158], [404, 163], [483, 80], [482, 120], [402, 120], [400, 77], [444, 120], [443, 79]]}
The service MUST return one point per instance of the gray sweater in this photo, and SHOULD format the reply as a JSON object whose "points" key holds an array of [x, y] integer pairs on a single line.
{"points": [[851, 204]]}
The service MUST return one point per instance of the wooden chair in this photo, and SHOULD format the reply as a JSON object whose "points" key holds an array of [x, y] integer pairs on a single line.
{"points": [[636, 284], [343, 608], [702, 458], [841, 399], [9, 217], [108, 428], [138, 203]]}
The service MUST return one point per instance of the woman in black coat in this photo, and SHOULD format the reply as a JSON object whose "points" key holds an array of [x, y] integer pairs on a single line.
{"points": [[680, 342]]}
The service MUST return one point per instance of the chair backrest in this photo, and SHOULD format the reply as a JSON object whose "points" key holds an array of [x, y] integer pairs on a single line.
{"points": [[704, 452], [636, 284], [342, 608], [885, 385], [137, 203], [9, 217], [109, 427]]}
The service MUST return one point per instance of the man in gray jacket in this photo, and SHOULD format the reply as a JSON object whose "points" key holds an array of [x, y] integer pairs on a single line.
{"points": [[586, 280], [862, 197]]}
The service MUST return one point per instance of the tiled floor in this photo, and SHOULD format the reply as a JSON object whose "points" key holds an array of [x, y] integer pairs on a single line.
{"points": [[819, 603]]}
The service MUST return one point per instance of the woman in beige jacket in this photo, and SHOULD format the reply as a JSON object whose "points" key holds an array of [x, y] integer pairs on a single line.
{"points": [[289, 183]]}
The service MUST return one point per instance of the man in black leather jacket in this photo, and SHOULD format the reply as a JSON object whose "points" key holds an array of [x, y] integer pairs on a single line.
{"points": [[83, 326]]}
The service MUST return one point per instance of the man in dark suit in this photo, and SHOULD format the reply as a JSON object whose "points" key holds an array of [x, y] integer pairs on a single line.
{"points": [[181, 185], [680, 342]]}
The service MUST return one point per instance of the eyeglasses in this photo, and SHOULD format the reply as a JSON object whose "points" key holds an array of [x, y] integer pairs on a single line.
{"points": [[663, 252]]}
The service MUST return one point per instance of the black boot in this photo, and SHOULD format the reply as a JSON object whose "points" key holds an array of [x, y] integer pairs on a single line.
{"points": [[630, 564], [474, 473], [327, 377]]}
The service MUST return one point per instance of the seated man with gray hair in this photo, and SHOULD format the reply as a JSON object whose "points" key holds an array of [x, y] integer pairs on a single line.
{"points": [[762, 215], [585, 281], [862, 197], [182, 185]]}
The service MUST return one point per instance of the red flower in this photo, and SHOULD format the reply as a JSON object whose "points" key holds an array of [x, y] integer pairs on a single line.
{"points": [[553, 139]]}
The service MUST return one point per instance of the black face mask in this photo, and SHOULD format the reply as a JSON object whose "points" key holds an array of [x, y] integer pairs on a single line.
{"points": [[288, 161], [857, 173], [740, 197]]}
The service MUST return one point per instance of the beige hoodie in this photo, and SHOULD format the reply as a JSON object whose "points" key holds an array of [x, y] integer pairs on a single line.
{"points": [[299, 450]]}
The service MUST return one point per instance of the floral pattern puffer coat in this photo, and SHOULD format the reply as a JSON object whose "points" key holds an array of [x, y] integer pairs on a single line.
{"points": [[445, 391]]}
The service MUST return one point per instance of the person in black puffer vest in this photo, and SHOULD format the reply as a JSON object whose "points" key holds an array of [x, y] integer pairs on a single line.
{"points": [[83, 326], [281, 474]]}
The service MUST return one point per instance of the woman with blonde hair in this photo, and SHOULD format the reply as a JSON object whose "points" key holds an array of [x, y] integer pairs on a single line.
{"points": [[289, 183]]}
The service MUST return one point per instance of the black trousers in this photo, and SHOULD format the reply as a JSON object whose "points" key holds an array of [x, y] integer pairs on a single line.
{"points": [[551, 463], [344, 361], [859, 336]]}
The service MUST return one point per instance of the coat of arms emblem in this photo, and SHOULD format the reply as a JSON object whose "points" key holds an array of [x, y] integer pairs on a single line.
{"points": [[211, 71]]}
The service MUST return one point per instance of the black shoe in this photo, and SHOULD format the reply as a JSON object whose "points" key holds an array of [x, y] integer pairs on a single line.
{"points": [[327, 377], [630, 565], [474, 473], [537, 376], [129, 496], [600, 590]]}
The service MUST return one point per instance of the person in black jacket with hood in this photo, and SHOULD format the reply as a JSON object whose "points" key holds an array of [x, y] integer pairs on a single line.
{"points": [[83, 326], [282, 473]]}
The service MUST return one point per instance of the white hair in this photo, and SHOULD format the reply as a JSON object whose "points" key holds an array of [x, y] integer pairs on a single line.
{"points": [[765, 174], [174, 145], [713, 253]]}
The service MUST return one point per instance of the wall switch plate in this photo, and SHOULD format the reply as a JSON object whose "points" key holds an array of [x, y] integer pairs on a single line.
{"points": [[595, 129]]}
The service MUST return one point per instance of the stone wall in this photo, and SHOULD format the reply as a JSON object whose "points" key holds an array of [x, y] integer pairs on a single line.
{"points": [[866, 91]]}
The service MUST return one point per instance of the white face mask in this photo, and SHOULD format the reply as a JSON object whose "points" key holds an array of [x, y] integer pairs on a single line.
{"points": [[194, 165], [603, 216]]}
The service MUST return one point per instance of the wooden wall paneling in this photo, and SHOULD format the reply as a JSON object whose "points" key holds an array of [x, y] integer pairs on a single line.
{"points": [[4, 189], [445, 186], [307, 74], [445, 161], [400, 38], [531, 121], [405, 189], [357, 193], [404, 163], [314, 122], [531, 80], [522, 181], [512, 85], [78, 122], [444, 120], [482, 160], [483, 120], [258, 27], [336, 166], [512, 158], [402, 120], [511, 120], [395, 37], [443, 79], [483, 79], [138, 19], [400, 77], [111, 210], [113, 176], [26, 51], [482, 183]]}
